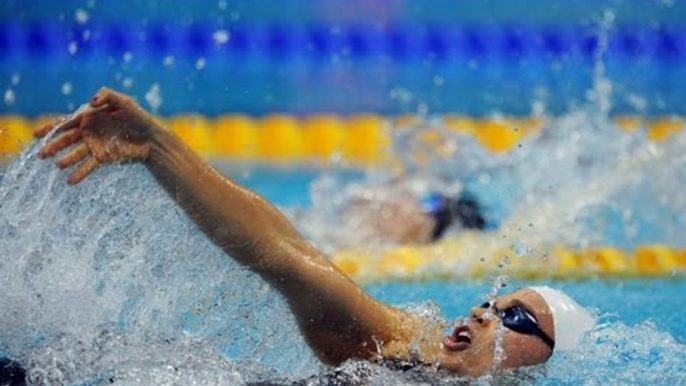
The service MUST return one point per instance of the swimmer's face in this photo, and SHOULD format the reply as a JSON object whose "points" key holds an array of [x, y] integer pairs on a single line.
{"points": [[470, 350]]}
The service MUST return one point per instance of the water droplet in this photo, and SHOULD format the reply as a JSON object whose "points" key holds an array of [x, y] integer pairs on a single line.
{"points": [[520, 249], [200, 64], [422, 109], [81, 16], [73, 48], [66, 88], [168, 61], [10, 97], [153, 97], [127, 83], [221, 37]]}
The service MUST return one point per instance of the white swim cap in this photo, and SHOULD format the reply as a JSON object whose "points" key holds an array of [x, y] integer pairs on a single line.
{"points": [[570, 320]]}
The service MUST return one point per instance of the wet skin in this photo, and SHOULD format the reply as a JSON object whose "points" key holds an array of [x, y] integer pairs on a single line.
{"points": [[474, 353]]}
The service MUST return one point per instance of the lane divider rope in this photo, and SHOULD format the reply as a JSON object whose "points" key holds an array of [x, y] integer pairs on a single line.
{"points": [[467, 257], [361, 139]]}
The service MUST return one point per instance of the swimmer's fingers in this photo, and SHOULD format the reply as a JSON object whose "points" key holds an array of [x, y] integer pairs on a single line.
{"points": [[111, 98], [85, 168], [62, 141], [41, 131], [75, 155], [61, 124]]}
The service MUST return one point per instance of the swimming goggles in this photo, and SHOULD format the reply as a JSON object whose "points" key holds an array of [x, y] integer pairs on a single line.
{"points": [[519, 319]]}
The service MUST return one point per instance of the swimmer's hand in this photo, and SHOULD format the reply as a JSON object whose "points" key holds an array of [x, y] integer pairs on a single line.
{"points": [[111, 128]]}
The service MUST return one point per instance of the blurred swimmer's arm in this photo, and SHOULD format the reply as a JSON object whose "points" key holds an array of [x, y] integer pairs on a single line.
{"points": [[337, 318]]}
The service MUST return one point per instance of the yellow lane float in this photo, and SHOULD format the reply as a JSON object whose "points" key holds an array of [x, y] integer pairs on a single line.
{"points": [[236, 136], [470, 256], [15, 134], [659, 129], [362, 139], [325, 136], [281, 138], [497, 135], [195, 131], [367, 139], [628, 122]]}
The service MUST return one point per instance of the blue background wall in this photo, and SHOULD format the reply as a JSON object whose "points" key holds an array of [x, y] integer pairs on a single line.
{"points": [[299, 56]]}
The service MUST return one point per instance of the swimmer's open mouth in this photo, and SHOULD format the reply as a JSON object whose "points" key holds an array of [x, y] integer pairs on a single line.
{"points": [[460, 340]]}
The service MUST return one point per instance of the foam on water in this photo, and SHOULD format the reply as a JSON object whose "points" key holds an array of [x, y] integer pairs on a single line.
{"points": [[115, 257], [617, 354], [579, 181]]}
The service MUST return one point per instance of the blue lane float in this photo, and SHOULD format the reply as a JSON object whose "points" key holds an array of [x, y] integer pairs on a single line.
{"points": [[504, 66], [399, 42]]}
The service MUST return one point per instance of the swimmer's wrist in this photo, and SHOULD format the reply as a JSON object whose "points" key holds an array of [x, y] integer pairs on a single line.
{"points": [[163, 142]]}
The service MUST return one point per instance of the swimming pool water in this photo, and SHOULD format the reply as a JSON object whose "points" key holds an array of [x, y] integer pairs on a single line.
{"points": [[632, 301]]}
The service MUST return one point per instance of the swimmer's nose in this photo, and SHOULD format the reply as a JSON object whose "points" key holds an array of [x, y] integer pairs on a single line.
{"points": [[478, 314]]}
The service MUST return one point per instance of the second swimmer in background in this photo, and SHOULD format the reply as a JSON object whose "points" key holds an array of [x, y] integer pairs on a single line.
{"points": [[376, 215]]}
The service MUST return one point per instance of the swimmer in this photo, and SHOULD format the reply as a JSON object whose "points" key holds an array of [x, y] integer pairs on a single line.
{"points": [[399, 216], [335, 316]]}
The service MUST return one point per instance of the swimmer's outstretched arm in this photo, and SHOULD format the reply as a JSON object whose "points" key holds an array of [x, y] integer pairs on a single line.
{"points": [[337, 318]]}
